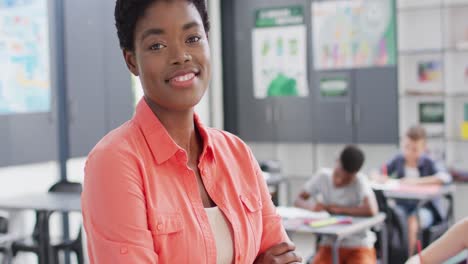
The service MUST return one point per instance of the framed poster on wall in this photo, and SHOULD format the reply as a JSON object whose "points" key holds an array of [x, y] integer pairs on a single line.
{"points": [[25, 85], [279, 53], [353, 34]]}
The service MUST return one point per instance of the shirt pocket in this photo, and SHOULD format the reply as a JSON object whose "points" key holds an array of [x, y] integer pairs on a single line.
{"points": [[167, 231], [253, 210]]}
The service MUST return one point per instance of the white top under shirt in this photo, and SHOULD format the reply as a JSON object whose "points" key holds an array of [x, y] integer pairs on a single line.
{"points": [[222, 235], [412, 172]]}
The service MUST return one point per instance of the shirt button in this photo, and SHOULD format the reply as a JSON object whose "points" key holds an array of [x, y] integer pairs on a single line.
{"points": [[159, 227], [123, 250], [238, 257]]}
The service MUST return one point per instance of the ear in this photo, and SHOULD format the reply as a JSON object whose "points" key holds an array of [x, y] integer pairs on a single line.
{"points": [[130, 60]]}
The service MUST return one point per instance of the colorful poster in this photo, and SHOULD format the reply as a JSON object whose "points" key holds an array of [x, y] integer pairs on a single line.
{"points": [[24, 56], [429, 71], [279, 53], [464, 126], [432, 113], [352, 34]]}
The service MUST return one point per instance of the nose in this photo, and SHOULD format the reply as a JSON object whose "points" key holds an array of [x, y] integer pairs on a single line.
{"points": [[179, 55]]}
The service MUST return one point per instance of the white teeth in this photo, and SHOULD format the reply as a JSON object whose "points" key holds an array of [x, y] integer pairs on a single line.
{"points": [[184, 78]]}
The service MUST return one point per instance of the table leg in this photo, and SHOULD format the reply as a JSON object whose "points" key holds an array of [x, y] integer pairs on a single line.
{"points": [[44, 239], [335, 251], [384, 243]]}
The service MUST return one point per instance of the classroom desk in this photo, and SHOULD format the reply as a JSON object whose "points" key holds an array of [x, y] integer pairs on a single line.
{"points": [[43, 204], [421, 194], [340, 231]]}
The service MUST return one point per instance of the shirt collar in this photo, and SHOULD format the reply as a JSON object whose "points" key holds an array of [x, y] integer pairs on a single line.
{"points": [[160, 142]]}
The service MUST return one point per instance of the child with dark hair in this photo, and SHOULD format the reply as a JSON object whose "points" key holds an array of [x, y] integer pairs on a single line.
{"points": [[343, 191], [414, 167]]}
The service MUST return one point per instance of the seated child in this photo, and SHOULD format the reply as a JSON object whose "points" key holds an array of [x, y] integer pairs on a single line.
{"points": [[447, 246], [343, 191], [414, 167]]}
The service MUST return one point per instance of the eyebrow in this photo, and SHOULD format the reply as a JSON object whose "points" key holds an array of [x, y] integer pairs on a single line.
{"points": [[190, 25], [159, 31]]}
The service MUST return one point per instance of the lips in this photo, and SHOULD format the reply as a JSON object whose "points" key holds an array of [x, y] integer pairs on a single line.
{"points": [[183, 75], [183, 78]]}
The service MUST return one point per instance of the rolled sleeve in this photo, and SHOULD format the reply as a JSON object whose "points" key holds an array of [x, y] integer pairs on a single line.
{"points": [[114, 211], [442, 173], [444, 176]]}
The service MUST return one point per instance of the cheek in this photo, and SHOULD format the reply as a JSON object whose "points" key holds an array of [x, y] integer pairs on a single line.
{"points": [[150, 68]]}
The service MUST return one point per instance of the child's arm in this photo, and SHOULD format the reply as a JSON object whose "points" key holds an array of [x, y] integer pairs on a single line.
{"points": [[301, 201], [428, 180], [450, 244], [368, 207], [306, 198], [439, 176]]}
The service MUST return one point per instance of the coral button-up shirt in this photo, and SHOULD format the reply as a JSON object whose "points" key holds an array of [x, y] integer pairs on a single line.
{"points": [[141, 202]]}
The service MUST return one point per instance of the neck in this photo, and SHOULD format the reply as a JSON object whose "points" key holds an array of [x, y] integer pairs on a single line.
{"points": [[411, 163], [179, 124]]}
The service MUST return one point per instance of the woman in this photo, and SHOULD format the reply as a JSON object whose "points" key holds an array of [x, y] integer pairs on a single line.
{"points": [[163, 188]]}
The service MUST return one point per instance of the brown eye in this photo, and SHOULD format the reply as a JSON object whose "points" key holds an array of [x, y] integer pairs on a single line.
{"points": [[193, 39], [157, 46]]}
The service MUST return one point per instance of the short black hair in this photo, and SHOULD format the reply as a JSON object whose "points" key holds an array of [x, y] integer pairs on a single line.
{"points": [[352, 159], [128, 12]]}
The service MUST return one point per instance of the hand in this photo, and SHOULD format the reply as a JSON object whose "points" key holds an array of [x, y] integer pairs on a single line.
{"points": [[320, 207], [408, 181], [334, 209], [281, 253]]}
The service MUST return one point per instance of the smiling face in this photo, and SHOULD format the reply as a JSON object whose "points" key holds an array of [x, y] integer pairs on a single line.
{"points": [[171, 55]]}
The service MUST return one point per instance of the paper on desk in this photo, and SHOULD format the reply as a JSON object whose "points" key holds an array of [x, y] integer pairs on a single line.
{"points": [[298, 213], [390, 184]]}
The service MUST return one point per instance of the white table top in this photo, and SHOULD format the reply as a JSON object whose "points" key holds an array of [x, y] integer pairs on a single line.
{"points": [[341, 230], [420, 195], [43, 202]]}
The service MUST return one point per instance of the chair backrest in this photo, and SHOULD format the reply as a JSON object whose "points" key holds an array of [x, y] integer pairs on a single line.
{"points": [[58, 187], [66, 187], [271, 166], [396, 229], [3, 225]]}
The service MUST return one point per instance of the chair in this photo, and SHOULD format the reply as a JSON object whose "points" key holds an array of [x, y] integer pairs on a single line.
{"points": [[5, 241], [397, 233], [273, 168], [435, 231], [30, 244]]}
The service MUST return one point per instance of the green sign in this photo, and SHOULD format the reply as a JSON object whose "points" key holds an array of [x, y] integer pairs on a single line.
{"points": [[431, 112], [466, 112], [334, 87], [277, 17]]}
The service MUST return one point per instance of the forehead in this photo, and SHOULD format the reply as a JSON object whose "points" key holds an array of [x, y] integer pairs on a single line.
{"points": [[411, 142], [163, 14]]}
